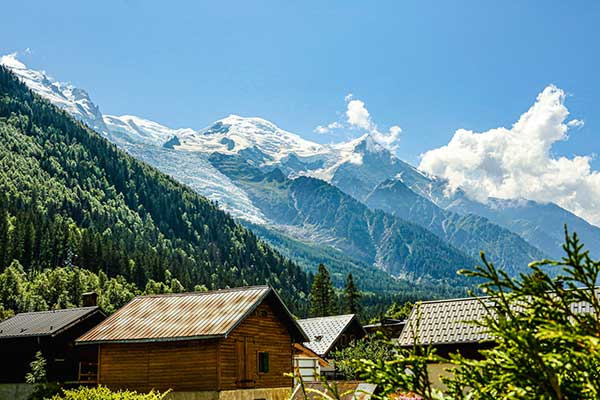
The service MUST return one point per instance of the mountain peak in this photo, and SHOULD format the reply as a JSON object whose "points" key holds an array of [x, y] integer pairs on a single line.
{"points": [[10, 61]]}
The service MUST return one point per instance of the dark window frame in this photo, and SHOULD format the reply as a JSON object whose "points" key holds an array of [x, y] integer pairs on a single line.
{"points": [[263, 362]]}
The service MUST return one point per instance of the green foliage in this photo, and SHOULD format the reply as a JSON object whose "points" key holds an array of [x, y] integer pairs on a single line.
{"points": [[103, 393], [37, 374], [397, 311], [544, 349], [69, 197], [351, 297], [368, 348], [60, 287], [323, 299]]}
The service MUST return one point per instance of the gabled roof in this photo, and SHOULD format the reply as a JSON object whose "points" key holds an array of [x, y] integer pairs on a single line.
{"points": [[450, 321], [185, 316], [43, 323], [324, 332], [444, 322]]}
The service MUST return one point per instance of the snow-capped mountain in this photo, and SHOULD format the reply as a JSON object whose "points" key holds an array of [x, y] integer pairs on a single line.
{"points": [[75, 101], [357, 167], [132, 129]]}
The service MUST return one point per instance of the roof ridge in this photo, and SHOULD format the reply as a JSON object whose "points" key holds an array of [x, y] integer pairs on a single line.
{"points": [[328, 317], [57, 310], [184, 294], [454, 300]]}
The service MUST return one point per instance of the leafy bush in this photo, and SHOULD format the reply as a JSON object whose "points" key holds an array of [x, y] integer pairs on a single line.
{"points": [[104, 393], [544, 349], [368, 348]]}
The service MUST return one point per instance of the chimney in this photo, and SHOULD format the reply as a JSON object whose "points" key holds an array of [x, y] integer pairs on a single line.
{"points": [[89, 299]]}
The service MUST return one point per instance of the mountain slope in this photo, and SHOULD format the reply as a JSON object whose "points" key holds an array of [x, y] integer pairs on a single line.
{"points": [[468, 232], [356, 167], [310, 207], [70, 197], [539, 224]]}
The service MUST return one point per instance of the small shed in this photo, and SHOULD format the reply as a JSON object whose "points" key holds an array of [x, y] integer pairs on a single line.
{"points": [[51, 332], [327, 334], [225, 340]]}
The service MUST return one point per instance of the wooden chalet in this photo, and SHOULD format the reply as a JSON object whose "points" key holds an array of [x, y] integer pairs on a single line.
{"points": [[53, 333], [226, 340]]}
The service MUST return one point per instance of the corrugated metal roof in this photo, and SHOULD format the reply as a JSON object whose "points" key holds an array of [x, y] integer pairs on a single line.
{"points": [[42, 323], [323, 332], [179, 316], [450, 321]]}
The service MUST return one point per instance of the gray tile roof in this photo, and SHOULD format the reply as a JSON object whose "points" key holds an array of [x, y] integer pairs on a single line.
{"points": [[441, 322], [324, 331], [42, 323], [450, 321]]}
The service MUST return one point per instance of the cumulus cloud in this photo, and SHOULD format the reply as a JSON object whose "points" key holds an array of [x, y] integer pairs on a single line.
{"points": [[517, 162], [326, 129], [575, 123], [357, 117]]}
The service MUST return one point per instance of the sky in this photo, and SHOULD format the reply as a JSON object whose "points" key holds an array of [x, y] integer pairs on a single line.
{"points": [[416, 73]]}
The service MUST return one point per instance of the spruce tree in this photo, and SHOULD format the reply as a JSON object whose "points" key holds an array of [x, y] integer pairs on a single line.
{"points": [[351, 296], [322, 295]]}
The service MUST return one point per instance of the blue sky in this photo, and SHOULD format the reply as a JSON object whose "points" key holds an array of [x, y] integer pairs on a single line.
{"points": [[429, 67]]}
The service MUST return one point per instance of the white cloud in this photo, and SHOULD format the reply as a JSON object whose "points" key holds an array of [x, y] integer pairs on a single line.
{"points": [[358, 115], [517, 162], [390, 139], [577, 123], [326, 129]]}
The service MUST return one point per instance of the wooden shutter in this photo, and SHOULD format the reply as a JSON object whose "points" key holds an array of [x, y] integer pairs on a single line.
{"points": [[245, 362], [240, 353], [250, 362]]}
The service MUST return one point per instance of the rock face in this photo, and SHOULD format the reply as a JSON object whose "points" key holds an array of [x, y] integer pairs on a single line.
{"points": [[370, 180]]}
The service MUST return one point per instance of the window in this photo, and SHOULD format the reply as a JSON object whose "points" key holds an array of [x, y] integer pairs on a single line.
{"points": [[263, 362]]}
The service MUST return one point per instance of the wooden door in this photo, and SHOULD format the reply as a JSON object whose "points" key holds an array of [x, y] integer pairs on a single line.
{"points": [[246, 362]]}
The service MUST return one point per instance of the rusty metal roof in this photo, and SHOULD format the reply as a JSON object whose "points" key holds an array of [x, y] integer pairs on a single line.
{"points": [[184, 316], [43, 323]]}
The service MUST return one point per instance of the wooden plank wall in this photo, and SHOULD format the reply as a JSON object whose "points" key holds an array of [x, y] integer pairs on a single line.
{"points": [[183, 366], [262, 331]]}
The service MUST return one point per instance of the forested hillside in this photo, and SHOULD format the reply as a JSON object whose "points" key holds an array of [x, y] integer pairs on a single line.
{"points": [[70, 198]]}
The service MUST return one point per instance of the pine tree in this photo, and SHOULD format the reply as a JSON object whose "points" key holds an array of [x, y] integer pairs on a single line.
{"points": [[351, 296], [322, 295]]}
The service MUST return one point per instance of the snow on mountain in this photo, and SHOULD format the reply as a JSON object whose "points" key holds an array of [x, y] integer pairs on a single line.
{"points": [[234, 134], [143, 139], [138, 130], [75, 101]]}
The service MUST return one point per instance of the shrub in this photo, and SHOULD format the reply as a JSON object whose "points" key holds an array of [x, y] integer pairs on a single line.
{"points": [[104, 393]]}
